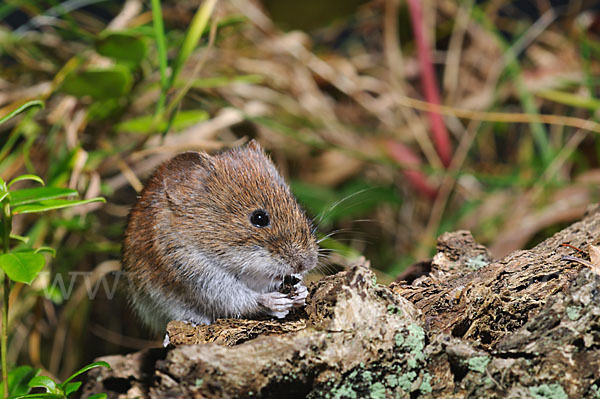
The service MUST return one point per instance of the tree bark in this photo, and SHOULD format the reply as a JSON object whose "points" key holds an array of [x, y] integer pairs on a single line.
{"points": [[524, 326]]}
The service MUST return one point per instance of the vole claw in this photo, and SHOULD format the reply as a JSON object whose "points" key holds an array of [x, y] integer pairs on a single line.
{"points": [[300, 295], [276, 304]]}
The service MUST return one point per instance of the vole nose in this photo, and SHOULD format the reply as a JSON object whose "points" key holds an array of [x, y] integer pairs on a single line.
{"points": [[305, 263]]}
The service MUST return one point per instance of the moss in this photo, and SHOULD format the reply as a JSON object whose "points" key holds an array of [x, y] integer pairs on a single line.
{"points": [[478, 363], [477, 262], [548, 391], [378, 391], [573, 312], [426, 384]]}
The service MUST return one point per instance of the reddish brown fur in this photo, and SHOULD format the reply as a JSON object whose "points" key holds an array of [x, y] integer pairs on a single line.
{"points": [[197, 203]]}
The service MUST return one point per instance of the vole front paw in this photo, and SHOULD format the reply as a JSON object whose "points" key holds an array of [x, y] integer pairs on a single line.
{"points": [[300, 294], [276, 304]]}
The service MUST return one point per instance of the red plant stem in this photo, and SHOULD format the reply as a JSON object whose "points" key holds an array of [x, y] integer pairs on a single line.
{"points": [[439, 133], [411, 162]]}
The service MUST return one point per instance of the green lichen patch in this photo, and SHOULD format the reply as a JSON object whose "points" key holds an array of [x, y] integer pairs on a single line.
{"points": [[573, 312], [415, 343], [406, 380], [478, 363], [344, 391], [595, 392], [399, 339], [198, 383], [416, 338], [391, 380], [376, 381], [378, 391], [393, 309], [548, 391], [477, 262], [425, 386]]}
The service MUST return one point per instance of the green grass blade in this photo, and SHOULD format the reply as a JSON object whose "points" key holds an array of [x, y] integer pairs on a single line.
{"points": [[27, 105], [50, 205], [570, 99], [161, 46], [192, 37]]}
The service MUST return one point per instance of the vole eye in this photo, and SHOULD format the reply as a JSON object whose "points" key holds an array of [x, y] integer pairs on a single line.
{"points": [[259, 218]]}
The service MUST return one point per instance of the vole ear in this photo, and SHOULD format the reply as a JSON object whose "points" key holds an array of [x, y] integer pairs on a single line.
{"points": [[183, 176], [253, 145], [180, 166]]}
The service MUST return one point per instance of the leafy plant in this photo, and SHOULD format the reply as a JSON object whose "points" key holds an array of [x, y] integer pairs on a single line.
{"points": [[22, 379], [22, 264]]}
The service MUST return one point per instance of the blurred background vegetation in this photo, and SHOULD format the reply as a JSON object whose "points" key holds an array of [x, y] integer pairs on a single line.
{"points": [[332, 90]]}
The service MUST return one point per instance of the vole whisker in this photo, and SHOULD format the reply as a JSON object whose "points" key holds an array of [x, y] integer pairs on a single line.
{"points": [[338, 202]]}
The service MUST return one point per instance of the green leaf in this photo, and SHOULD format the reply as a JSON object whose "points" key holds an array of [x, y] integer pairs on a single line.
{"points": [[44, 382], [123, 47], [146, 124], [26, 177], [19, 238], [100, 84], [84, 369], [22, 267], [28, 104], [72, 387], [18, 380], [111, 108], [29, 195], [40, 396], [50, 250], [49, 205], [98, 396]]}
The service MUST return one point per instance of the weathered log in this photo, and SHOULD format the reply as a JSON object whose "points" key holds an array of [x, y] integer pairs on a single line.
{"points": [[525, 326]]}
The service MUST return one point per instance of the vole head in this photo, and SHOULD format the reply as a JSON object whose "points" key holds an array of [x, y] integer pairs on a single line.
{"points": [[236, 210]]}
